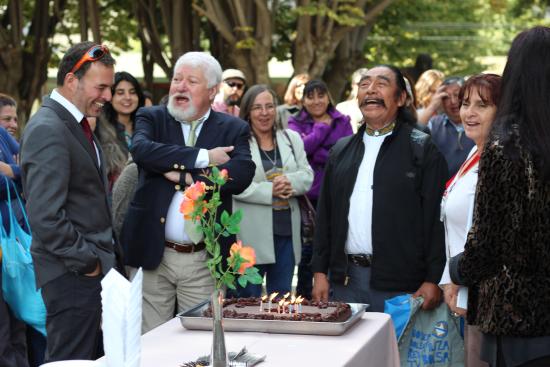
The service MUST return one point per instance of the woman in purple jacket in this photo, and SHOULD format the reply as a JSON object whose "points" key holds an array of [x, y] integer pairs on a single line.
{"points": [[320, 125]]}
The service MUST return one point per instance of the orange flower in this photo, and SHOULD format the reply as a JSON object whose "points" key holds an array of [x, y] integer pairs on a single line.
{"points": [[224, 174], [195, 191], [247, 253], [187, 207]]}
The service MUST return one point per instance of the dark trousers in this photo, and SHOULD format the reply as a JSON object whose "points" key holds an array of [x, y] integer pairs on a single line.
{"points": [[13, 348], [279, 274], [304, 286], [36, 345], [358, 290], [73, 305]]}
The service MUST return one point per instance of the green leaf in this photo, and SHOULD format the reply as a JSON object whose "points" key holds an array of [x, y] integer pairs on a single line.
{"points": [[216, 253], [242, 281], [253, 276], [225, 234], [224, 219], [233, 229], [236, 217]]}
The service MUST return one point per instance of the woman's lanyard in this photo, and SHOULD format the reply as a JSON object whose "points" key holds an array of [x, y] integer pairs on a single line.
{"points": [[466, 166]]}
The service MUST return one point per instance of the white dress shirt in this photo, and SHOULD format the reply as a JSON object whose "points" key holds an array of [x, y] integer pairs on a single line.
{"points": [[359, 240], [69, 106], [174, 227]]}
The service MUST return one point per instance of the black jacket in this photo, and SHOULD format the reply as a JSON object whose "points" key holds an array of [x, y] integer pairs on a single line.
{"points": [[407, 234]]}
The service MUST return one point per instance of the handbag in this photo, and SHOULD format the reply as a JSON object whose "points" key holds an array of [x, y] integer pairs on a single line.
{"points": [[307, 211], [425, 338], [18, 279]]}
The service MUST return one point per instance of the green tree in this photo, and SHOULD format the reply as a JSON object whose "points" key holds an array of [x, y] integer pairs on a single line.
{"points": [[455, 33]]}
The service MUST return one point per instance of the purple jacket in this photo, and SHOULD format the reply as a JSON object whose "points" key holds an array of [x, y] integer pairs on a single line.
{"points": [[318, 139]]}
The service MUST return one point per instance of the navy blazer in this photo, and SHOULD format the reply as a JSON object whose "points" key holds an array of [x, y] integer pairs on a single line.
{"points": [[158, 146]]}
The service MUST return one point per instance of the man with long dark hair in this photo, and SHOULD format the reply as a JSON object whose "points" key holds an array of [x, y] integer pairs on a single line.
{"points": [[378, 232]]}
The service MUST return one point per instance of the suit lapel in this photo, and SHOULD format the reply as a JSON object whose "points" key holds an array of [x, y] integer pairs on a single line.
{"points": [[209, 131], [175, 132], [75, 129]]}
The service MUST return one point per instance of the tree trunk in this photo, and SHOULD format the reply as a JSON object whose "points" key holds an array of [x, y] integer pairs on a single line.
{"points": [[349, 56], [83, 19], [175, 16], [24, 57], [318, 35], [243, 35], [93, 19]]}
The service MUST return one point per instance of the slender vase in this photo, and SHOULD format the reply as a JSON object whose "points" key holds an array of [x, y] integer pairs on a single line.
{"points": [[218, 355]]}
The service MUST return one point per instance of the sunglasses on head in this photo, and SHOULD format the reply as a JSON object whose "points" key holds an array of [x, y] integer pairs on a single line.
{"points": [[95, 53], [235, 85]]}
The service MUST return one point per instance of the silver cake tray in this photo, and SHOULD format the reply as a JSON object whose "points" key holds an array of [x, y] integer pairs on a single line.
{"points": [[193, 319]]}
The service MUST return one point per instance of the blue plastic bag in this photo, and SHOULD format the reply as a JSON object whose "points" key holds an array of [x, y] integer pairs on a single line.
{"points": [[425, 338], [18, 280]]}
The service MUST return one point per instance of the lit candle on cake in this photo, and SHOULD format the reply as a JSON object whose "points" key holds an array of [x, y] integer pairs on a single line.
{"points": [[271, 297], [299, 304], [280, 305], [264, 297], [292, 303]]}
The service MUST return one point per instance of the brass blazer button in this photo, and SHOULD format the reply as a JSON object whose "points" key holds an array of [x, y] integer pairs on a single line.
{"points": [[182, 167], [176, 166], [162, 219], [177, 187]]}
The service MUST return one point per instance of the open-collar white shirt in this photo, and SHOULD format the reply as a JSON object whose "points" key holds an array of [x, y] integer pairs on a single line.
{"points": [[359, 239]]}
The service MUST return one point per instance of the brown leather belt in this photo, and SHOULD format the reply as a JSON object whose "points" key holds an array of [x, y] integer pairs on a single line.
{"points": [[364, 260], [185, 248]]}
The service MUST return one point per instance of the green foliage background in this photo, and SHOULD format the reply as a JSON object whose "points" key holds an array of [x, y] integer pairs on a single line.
{"points": [[454, 33]]}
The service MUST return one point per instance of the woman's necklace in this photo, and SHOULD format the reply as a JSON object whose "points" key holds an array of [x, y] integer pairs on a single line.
{"points": [[273, 161]]}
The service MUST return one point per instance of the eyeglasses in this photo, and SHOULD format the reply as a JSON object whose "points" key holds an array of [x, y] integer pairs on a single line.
{"points": [[95, 53], [454, 80], [239, 86], [259, 108]]}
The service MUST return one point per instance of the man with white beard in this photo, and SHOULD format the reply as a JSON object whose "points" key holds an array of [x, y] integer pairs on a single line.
{"points": [[173, 145]]}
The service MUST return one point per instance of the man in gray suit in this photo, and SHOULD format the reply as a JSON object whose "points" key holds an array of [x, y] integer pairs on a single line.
{"points": [[65, 184]]}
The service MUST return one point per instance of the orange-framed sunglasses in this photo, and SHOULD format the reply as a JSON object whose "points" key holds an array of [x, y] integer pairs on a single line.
{"points": [[95, 53]]}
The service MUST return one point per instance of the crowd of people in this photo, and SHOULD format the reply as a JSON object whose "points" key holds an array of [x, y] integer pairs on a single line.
{"points": [[438, 187]]}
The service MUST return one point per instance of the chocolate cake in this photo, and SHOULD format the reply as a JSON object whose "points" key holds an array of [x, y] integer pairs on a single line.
{"points": [[249, 308]]}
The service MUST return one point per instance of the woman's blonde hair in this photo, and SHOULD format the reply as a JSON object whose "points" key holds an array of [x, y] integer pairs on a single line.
{"points": [[289, 97], [426, 86]]}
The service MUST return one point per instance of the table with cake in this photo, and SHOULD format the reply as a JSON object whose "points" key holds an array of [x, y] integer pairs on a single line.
{"points": [[368, 341]]}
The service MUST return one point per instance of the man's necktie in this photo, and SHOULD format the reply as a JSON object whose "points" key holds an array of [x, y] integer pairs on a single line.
{"points": [[190, 227], [193, 133], [87, 131]]}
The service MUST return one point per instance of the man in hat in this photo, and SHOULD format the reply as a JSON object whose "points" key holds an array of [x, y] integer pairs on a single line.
{"points": [[231, 91]]}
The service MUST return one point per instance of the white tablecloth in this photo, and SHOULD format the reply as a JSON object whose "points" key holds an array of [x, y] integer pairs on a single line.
{"points": [[370, 342]]}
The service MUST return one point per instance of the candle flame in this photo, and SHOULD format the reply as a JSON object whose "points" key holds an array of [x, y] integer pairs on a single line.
{"points": [[286, 295], [264, 297], [286, 303], [273, 295], [281, 302], [299, 299], [292, 299]]}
